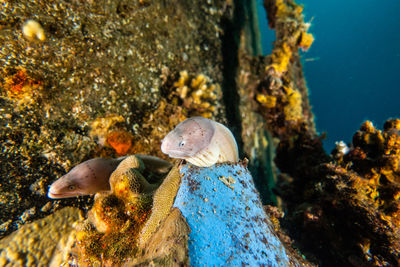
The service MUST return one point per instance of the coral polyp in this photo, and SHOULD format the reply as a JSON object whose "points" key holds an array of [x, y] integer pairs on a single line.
{"points": [[198, 94]]}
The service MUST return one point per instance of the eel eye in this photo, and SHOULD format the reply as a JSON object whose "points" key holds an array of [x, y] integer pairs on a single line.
{"points": [[71, 187], [181, 143]]}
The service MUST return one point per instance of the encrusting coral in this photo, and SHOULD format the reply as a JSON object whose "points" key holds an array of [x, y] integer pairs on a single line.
{"points": [[111, 232], [371, 172], [20, 85], [40, 243], [198, 95], [341, 209], [162, 203], [282, 101], [355, 196], [96, 59]]}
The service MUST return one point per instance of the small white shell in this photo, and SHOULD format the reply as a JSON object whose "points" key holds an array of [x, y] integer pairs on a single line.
{"points": [[32, 30]]}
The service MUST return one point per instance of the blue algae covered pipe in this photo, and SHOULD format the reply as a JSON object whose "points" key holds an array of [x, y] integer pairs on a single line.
{"points": [[228, 224]]}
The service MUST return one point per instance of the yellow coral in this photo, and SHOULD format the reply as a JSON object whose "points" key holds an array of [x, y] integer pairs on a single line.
{"points": [[306, 40], [199, 96], [162, 203], [281, 58], [282, 8], [183, 78], [376, 158], [267, 101], [293, 110], [111, 232]]}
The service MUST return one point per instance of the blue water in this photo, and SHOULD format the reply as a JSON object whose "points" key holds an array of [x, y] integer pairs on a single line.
{"points": [[353, 67]]}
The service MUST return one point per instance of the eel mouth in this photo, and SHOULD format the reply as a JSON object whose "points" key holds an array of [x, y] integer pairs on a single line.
{"points": [[60, 195], [176, 154]]}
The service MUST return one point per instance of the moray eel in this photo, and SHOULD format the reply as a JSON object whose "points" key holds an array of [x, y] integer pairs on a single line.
{"points": [[202, 142], [92, 176]]}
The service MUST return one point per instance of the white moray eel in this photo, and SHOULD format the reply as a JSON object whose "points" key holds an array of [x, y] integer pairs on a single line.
{"points": [[202, 142]]}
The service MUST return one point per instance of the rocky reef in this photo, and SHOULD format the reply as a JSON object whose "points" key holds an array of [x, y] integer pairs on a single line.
{"points": [[43, 242], [340, 208], [102, 79], [348, 206], [86, 79]]}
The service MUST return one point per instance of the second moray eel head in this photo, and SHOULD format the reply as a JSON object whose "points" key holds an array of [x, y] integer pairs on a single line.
{"points": [[202, 142]]}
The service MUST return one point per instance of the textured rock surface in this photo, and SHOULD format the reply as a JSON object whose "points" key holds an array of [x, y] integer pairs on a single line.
{"points": [[40, 243], [101, 83]]}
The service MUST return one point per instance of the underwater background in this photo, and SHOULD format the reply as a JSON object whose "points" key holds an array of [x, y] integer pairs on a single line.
{"points": [[352, 68], [92, 84]]}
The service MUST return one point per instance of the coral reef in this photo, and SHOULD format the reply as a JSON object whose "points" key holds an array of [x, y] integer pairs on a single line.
{"points": [[282, 95], [110, 78], [110, 235], [361, 186], [340, 209], [162, 203], [198, 96], [97, 60], [167, 245], [40, 243]]}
